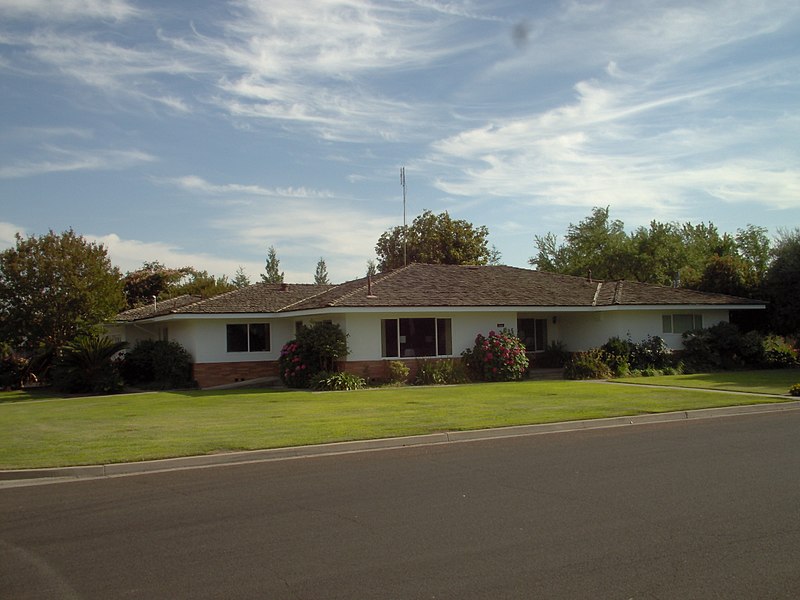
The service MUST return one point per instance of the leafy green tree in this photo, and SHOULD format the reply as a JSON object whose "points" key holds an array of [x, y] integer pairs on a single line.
{"points": [[200, 283], [434, 239], [597, 244], [321, 274], [273, 273], [153, 280], [372, 268], [659, 253], [783, 283], [54, 288], [754, 246]]}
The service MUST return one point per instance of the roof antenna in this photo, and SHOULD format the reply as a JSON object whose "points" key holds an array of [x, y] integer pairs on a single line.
{"points": [[405, 235]]}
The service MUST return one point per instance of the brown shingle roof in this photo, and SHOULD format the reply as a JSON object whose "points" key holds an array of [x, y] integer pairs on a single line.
{"points": [[420, 285], [160, 308]]}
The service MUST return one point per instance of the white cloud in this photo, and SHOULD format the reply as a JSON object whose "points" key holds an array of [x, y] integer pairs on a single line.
{"points": [[8, 232], [63, 160]]}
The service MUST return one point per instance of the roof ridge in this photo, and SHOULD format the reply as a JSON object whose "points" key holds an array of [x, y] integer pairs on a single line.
{"points": [[307, 298], [384, 277]]}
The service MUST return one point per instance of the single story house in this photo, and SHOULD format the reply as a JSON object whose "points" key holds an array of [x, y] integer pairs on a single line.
{"points": [[419, 311]]}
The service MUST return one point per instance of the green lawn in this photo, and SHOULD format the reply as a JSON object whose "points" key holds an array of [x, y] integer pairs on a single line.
{"points": [[763, 382], [42, 431]]}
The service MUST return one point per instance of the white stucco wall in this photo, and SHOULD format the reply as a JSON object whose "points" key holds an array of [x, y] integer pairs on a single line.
{"points": [[205, 339], [581, 331], [365, 329]]}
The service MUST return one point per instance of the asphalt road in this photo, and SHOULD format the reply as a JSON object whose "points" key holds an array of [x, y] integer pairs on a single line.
{"points": [[696, 509]]}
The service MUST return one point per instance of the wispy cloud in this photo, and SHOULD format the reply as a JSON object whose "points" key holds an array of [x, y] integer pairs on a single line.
{"points": [[198, 184], [69, 10], [62, 159]]}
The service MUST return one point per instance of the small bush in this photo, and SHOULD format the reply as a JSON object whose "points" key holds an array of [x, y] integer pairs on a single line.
{"points": [[337, 381], [617, 355], [650, 353], [440, 372], [158, 364], [398, 371], [795, 390], [498, 357], [555, 356], [778, 353], [587, 365]]}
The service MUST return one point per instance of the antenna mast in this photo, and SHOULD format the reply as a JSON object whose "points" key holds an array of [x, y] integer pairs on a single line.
{"points": [[405, 233]]}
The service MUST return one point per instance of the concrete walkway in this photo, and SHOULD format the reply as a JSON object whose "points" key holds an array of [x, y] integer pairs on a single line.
{"points": [[19, 477]]}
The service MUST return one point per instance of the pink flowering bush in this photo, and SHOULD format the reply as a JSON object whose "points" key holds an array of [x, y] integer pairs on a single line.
{"points": [[295, 367], [498, 357]]}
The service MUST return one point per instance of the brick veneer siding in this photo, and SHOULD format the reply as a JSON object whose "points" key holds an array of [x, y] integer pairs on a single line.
{"points": [[212, 374]]}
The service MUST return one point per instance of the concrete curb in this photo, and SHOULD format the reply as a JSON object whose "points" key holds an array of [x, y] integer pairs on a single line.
{"points": [[18, 477]]}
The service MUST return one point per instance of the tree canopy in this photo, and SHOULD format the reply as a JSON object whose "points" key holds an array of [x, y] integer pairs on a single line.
{"points": [[692, 255], [54, 288], [434, 239], [154, 280]]}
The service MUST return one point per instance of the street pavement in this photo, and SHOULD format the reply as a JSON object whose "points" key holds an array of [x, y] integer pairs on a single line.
{"points": [[695, 509]]}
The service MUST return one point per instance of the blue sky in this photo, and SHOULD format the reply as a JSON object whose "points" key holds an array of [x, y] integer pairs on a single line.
{"points": [[200, 133]]}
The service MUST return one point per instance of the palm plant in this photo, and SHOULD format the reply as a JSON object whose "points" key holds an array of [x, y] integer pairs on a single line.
{"points": [[87, 364]]}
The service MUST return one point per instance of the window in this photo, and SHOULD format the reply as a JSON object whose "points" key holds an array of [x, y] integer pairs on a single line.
{"points": [[533, 333], [416, 337], [681, 323], [248, 337]]}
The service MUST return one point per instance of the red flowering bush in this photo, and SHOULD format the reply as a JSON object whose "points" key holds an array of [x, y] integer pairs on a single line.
{"points": [[296, 369], [498, 357]]}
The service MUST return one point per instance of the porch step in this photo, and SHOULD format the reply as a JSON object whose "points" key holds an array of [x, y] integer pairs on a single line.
{"points": [[542, 374]]}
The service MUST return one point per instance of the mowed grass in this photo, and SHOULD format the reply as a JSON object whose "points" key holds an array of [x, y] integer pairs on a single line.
{"points": [[41, 431], [762, 382]]}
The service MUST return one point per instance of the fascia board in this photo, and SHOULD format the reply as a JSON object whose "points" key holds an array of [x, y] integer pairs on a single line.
{"points": [[339, 310]]}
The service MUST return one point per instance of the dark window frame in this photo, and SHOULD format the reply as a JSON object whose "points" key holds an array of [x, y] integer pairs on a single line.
{"points": [[248, 337], [416, 337]]}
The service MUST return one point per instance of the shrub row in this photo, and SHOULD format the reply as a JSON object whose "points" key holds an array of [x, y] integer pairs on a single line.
{"points": [[724, 346]]}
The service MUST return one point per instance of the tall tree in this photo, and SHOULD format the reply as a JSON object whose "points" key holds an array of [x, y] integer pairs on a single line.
{"points": [[321, 274], [273, 273], [241, 279], [54, 288], [434, 239], [597, 244], [372, 268]]}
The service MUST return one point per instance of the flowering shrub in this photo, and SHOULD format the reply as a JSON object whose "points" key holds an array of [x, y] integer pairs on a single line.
{"points": [[296, 369], [795, 390], [498, 357], [316, 348]]}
